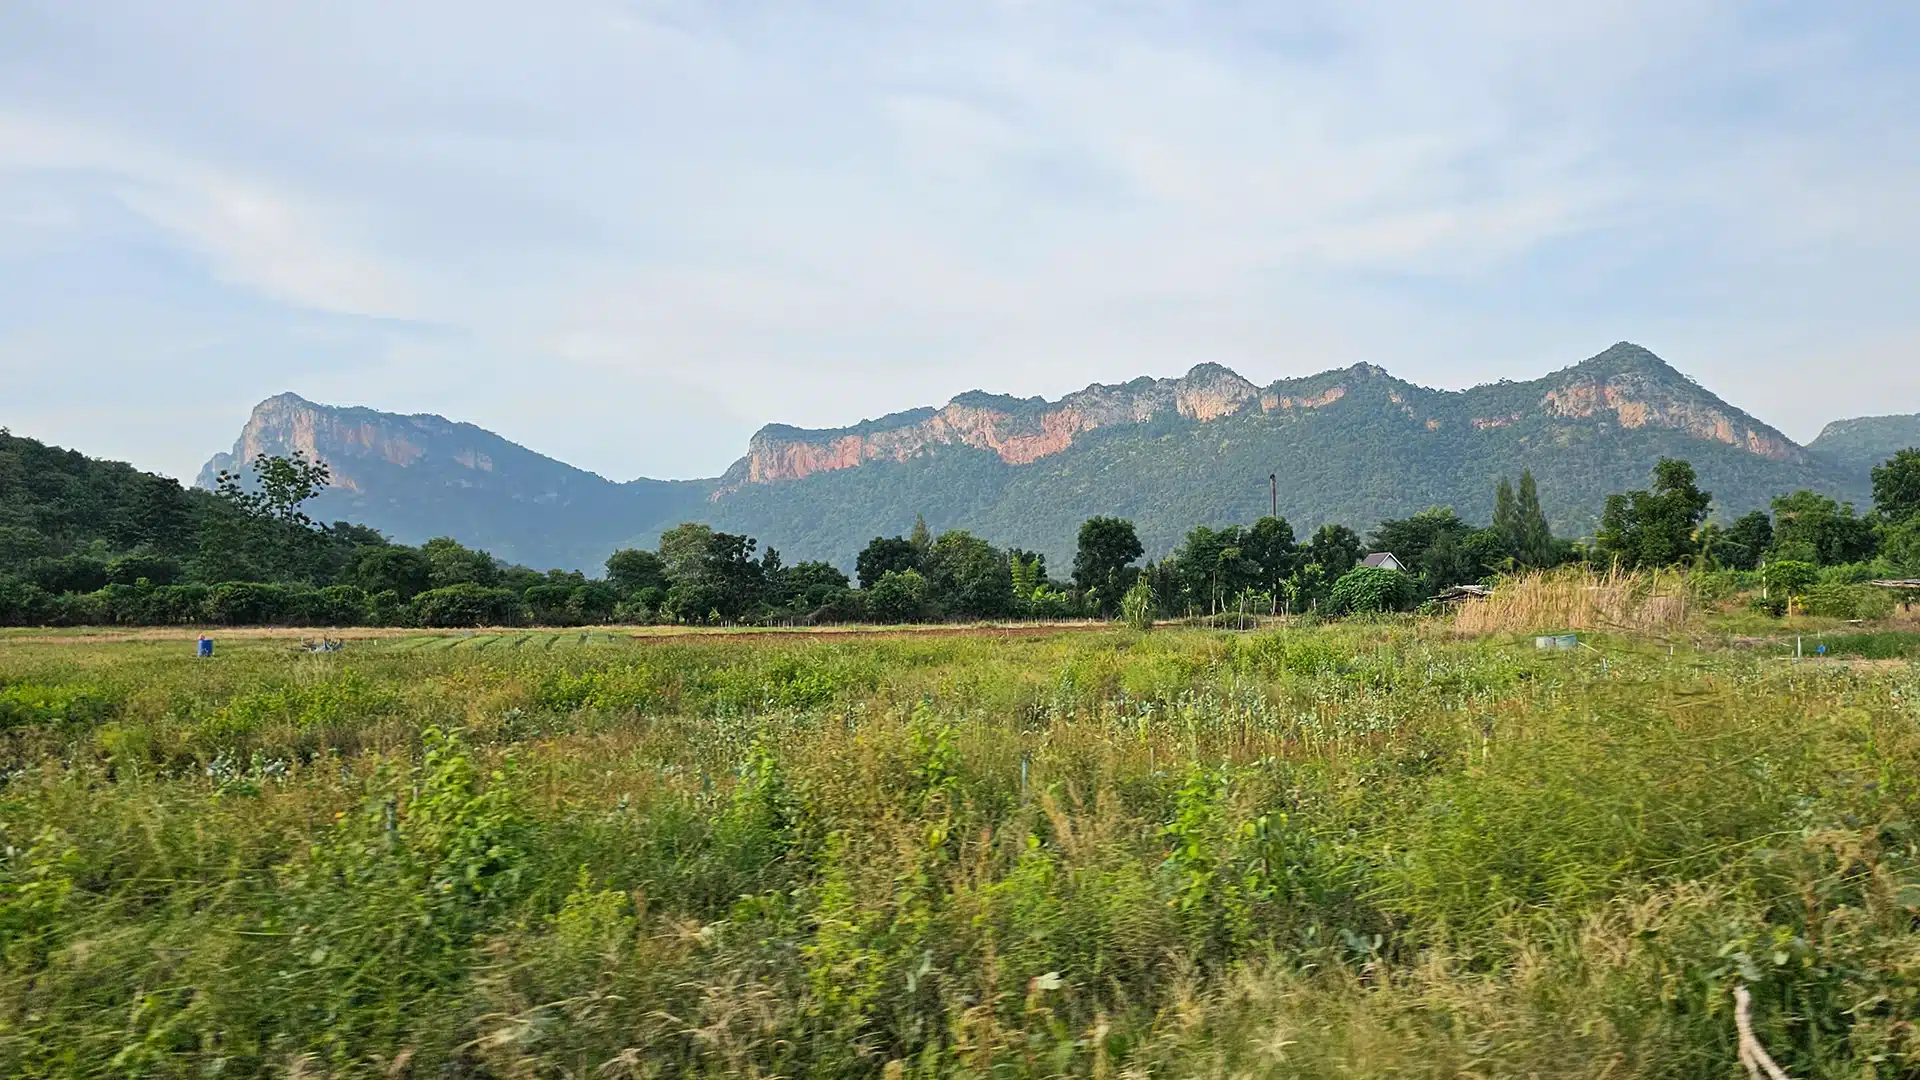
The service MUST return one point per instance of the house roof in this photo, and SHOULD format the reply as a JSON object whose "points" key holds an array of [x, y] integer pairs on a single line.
{"points": [[1381, 558]]}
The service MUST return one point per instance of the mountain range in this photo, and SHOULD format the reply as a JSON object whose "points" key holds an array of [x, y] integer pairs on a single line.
{"points": [[1354, 445]]}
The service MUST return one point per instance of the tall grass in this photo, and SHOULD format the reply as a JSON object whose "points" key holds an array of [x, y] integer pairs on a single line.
{"points": [[1648, 602], [1333, 852]]}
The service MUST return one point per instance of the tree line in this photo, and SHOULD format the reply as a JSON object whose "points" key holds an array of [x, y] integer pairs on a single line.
{"points": [[88, 542]]}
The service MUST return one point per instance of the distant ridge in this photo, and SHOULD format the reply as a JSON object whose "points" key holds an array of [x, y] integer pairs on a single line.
{"points": [[420, 476], [1353, 445], [1860, 444]]}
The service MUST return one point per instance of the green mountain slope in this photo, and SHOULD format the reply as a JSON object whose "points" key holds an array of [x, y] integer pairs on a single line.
{"points": [[56, 502], [1379, 448], [1353, 446], [1860, 444], [418, 477]]}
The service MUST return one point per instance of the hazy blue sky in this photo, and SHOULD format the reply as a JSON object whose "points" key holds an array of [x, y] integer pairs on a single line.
{"points": [[627, 234]]}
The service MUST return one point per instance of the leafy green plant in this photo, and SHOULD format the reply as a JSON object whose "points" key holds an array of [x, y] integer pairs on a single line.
{"points": [[1137, 606], [1366, 590]]}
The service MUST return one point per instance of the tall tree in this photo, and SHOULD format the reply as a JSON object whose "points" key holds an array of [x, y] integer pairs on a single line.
{"points": [[1655, 528], [1335, 548], [1410, 538], [1214, 566], [884, 555], [1270, 544], [1536, 544], [632, 571], [968, 577], [1506, 519], [1811, 527], [1106, 551], [1896, 487], [683, 548], [1742, 544]]}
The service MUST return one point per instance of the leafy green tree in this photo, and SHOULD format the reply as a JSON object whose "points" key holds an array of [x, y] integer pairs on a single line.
{"points": [[1655, 528], [632, 571], [1410, 538], [1213, 566], [137, 566], [466, 604], [726, 579], [1808, 522], [921, 537], [68, 573], [683, 550], [884, 555], [1506, 518], [402, 570], [1896, 488], [1103, 558], [1270, 545], [1461, 557], [810, 586], [277, 487], [1791, 577], [449, 562], [1538, 546], [1900, 545], [592, 603], [1742, 544], [899, 596], [1335, 548], [968, 577]]}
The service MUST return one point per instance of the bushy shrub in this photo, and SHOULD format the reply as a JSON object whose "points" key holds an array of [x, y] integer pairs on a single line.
{"points": [[899, 596], [1365, 590], [338, 605], [1790, 576], [248, 603], [1847, 602], [1775, 606], [465, 604]]}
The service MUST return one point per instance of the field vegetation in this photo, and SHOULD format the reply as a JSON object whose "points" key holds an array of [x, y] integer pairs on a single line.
{"points": [[1386, 847]]}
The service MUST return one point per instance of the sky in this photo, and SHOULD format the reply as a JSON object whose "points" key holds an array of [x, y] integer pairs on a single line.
{"points": [[627, 234]]}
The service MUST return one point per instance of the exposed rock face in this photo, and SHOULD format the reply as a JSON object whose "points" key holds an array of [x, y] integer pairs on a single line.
{"points": [[1018, 431], [1635, 403], [416, 477], [1625, 385], [345, 439]]}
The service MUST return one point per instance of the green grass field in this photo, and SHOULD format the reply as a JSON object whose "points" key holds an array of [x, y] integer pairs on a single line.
{"points": [[1339, 851]]}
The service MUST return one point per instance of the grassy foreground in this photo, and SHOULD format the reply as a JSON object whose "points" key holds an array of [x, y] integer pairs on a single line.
{"points": [[1373, 850]]}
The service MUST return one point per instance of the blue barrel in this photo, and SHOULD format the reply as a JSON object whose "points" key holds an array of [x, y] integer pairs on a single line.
{"points": [[205, 647]]}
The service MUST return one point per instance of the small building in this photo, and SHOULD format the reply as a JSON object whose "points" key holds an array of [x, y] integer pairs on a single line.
{"points": [[1384, 560]]}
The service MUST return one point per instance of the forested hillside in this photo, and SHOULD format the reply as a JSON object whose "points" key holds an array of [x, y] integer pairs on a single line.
{"points": [[1861, 443], [1365, 447], [1353, 445], [422, 476], [56, 503]]}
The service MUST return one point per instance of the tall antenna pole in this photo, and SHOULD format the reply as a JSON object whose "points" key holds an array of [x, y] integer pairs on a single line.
{"points": [[1273, 492]]}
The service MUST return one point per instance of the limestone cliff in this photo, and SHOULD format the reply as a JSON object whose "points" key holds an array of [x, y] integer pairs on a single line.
{"points": [[1625, 386], [419, 476]]}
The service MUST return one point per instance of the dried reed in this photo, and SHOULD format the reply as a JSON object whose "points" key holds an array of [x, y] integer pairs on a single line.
{"points": [[1580, 599]]}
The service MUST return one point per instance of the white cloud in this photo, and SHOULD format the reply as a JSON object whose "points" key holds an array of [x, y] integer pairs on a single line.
{"points": [[812, 214]]}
